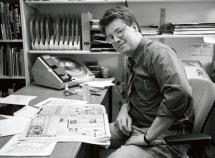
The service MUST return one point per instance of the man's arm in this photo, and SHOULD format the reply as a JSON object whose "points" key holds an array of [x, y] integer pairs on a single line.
{"points": [[159, 126], [123, 120]]}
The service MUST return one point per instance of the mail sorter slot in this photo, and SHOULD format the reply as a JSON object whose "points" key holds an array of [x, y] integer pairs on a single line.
{"points": [[57, 33]]}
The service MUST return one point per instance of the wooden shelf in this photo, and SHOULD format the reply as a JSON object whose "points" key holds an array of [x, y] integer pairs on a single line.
{"points": [[70, 52], [12, 41], [74, 1], [12, 77], [130, 1], [178, 36]]}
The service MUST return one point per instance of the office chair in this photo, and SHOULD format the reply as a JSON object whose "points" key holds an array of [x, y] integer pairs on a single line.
{"points": [[202, 137]]}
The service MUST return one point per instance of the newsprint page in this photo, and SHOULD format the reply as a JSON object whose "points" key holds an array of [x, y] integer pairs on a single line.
{"points": [[59, 120], [65, 120]]}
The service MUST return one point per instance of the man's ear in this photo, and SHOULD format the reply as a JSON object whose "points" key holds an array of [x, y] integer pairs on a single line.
{"points": [[135, 27]]}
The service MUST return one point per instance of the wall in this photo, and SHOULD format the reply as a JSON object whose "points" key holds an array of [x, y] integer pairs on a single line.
{"points": [[148, 13]]}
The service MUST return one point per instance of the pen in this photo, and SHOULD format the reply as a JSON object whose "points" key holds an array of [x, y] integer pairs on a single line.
{"points": [[39, 111]]}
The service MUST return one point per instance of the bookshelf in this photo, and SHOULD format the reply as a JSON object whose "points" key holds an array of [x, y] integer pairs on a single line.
{"points": [[67, 52], [12, 73], [74, 2], [66, 10]]}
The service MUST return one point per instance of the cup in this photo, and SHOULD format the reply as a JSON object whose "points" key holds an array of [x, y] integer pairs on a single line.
{"points": [[106, 72], [85, 92]]}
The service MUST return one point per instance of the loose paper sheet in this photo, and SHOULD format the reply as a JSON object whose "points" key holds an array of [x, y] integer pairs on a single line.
{"points": [[13, 125], [101, 83], [59, 101], [17, 99], [14, 147], [27, 111]]}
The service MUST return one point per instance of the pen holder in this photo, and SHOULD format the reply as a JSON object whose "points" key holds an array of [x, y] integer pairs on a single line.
{"points": [[106, 72]]}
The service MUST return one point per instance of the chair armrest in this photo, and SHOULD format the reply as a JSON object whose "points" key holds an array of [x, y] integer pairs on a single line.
{"points": [[197, 138]]}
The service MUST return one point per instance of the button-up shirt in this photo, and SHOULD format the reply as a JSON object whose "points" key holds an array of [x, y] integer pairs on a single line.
{"points": [[160, 86]]}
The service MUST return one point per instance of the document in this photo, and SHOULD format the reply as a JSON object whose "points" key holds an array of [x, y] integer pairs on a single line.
{"points": [[14, 147], [13, 125], [196, 72], [63, 120], [27, 111], [17, 105], [101, 82], [17, 99], [209, 39], [59, 101]]}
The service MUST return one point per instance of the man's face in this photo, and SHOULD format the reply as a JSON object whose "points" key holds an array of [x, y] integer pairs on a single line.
{"points": [[121, 36]]}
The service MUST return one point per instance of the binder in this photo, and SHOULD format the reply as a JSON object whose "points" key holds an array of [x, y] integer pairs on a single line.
{"points": [[85, 25]]}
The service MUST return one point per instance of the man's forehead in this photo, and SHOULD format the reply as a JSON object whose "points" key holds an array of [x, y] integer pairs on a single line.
{"points": [[117, 23]]}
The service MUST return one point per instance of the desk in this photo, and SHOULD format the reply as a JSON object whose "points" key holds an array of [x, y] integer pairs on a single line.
{"points": [[61, 150]]}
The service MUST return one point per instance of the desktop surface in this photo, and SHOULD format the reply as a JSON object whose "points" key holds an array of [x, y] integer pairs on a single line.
{"points": [[62, 149]]}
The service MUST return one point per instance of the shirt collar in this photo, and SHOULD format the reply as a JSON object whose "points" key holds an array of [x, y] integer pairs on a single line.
{"points": [[140, 49]]}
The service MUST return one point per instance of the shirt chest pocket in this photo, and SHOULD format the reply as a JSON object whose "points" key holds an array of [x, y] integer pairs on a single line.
{"points": [[146, 84]]}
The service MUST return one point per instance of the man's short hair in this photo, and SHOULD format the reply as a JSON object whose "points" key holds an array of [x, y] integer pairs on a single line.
{"points": [[119, 12]]}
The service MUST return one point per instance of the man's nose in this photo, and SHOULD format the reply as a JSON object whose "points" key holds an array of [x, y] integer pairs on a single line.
{"points": [[116, 38]]}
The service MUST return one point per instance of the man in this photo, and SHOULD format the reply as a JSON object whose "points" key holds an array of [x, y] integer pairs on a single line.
{"points": [[159, 100]]}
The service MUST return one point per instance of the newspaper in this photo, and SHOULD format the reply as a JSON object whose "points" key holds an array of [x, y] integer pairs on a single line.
{"points": [[63, 120]]}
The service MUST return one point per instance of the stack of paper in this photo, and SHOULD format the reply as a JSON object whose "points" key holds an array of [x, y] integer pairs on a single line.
{"points": [[69, 120], [101, 82], [194, 28]]}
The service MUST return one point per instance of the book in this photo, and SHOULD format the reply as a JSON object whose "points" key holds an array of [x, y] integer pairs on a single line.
{"points": [[85, 24], [18, 24], [3, 29], [1, 61]]}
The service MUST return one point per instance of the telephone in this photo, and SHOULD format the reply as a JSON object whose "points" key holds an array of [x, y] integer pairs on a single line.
{"points": [[56, 72]]}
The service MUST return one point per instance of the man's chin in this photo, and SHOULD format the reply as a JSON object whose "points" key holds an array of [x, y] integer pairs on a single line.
{"points": [[121, 49]]}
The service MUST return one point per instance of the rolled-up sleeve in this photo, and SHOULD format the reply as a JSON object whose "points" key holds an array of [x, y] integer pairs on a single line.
{"points": [[172, 79]]}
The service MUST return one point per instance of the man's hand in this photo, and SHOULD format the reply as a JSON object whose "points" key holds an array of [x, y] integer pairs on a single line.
{"points": [[123, 121], [139, 140], [136, 140]]}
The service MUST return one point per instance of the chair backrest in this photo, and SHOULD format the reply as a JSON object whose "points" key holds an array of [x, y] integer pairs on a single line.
{"points": [[203, 92]]}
